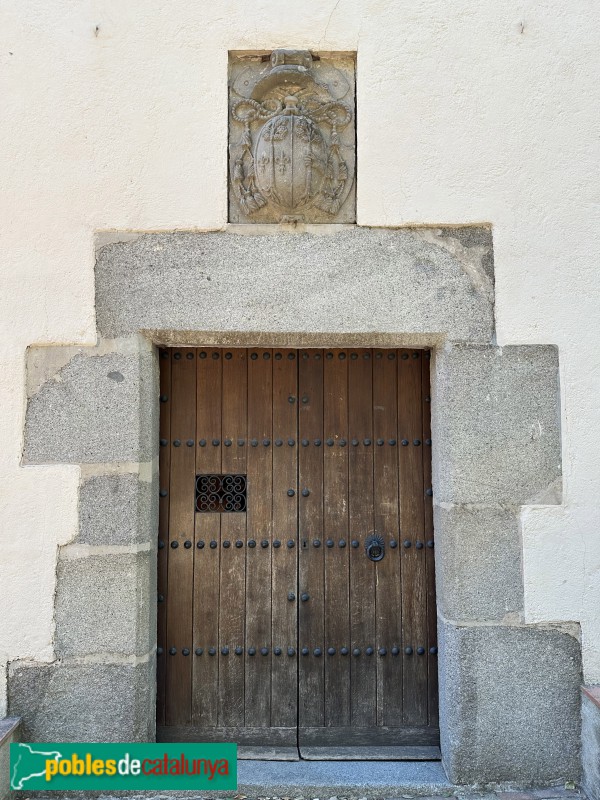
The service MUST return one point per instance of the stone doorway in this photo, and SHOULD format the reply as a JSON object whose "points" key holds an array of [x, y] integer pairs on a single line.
{"points": [[509, 692]]}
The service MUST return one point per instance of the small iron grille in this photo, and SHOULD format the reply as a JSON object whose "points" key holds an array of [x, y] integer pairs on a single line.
{"points": [[220, 493]]}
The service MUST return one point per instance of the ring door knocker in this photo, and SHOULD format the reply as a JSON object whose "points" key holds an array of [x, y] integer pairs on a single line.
{"points": [[375, 547]]}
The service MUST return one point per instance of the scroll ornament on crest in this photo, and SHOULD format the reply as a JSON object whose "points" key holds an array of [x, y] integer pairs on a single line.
{"points": [[290, 156]]}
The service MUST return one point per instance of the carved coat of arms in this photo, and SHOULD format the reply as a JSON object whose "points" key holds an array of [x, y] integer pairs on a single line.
{"points": [[292, 140]]}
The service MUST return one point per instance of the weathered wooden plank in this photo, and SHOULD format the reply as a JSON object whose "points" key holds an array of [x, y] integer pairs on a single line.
{"points": [[414, 578], [362, 570], [432, 667], [181, 530], [284, 688], [386, 509], [248, 736], [376, 753], [164, 462], [310, 519], [207, 550], [335, 531], [259, 529], [232, 591], [357, 736]]}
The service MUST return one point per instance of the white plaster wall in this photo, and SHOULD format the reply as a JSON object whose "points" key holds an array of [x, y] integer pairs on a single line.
{"points": [[115, 116]]}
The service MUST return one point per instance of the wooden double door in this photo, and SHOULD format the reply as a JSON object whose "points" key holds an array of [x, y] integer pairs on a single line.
{"points": [[295, 563]]}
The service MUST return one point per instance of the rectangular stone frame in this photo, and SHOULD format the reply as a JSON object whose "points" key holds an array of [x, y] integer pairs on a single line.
{"points": [[509, 692]]}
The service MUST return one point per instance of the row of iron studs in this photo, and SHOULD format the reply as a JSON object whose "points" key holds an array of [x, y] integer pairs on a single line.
{"points": [[329, 543], [291, 356], [291, 442], [305, 651]]}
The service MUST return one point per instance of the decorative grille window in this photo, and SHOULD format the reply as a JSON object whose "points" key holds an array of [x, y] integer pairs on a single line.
{"points": [[220, 493]]}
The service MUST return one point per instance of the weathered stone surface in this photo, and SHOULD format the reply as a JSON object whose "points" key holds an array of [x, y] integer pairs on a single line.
{"points": [[356, 280], [509, 704], [590, 742], [10, 731], [496, 425], [106, 604], [117, 509], [99, 408], [292, 142], [478, 563], [85, 702]]}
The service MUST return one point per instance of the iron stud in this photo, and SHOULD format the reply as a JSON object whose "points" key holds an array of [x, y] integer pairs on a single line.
{"points": [[278, 442], [216, 442], [254, 442], [419, 545], [202, 442], [382, 651], [254, 356], [291, 492], [291, 356], [199, 651], [305, 399], [331, 651], [355, 543], [380, 442], [356, 652], [276, 543], [316, 543], [172, 651], [408, 651], [215, 356], [305, 492], [175, 545], [224, 651], [251, 543], [163, 492], [393, 544], [430, 544], [391, 356], [264, 651], [161, 544], [203, 354], [240, 442], [404, 442], [354, 442], [251, 651], [266, 356], [367, 442], [291, 651], [228, 356], [277, 651], [417, 442], [161, 598], [428, 442], [404, 356], [342, 443], [317, 652], [177, 356], [226, 544], [213, 544], [290, 543], [227, 442], [291, 399], [187, 544], [239, 650], [277, 356], [329, 543], [200, 545], [342, 543], [305, 442], [420, 650], [429, 492], [291, 596], [190, 442], [344, 651], [212, 651], [304, 597], [329, 355], [329, 442], [163, 442], [395, 650], [159, 651], [291, 442], [305, 651], [317, 442], [342, 356], [354, 356], [369, 651], [264, 543], [185, 652], [189, 356], [392, 442], [433, 651], [406, 543], [239, 543], [266, 442]]}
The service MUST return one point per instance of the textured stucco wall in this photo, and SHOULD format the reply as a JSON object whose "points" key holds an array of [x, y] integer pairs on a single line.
{"points": [[116, 117]]}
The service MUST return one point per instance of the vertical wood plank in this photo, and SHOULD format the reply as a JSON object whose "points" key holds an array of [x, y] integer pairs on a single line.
{"points": [[310, 518], [284, 692], [414, 576], [388, 590], [181, 530], [232, 605], [259, 529], [164, 462], [207, 543], [335, 530], [362, 570], [432, 689]]}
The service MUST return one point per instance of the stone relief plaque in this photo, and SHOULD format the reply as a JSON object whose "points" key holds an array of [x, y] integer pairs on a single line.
{"points": [[292, 139]]}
